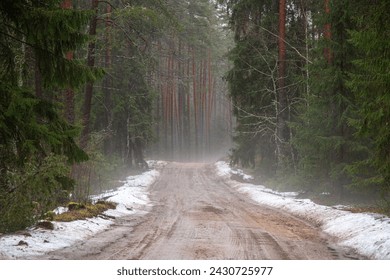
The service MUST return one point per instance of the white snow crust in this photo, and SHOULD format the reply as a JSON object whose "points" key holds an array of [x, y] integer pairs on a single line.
{"points": [[36, 241], [367, 233]]}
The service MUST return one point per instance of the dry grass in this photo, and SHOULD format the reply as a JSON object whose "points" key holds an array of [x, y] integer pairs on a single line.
{"points": [[84, 211], [368, 209]]}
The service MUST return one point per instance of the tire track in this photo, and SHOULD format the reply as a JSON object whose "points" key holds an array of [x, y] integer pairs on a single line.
{"points": [[196, 215]]}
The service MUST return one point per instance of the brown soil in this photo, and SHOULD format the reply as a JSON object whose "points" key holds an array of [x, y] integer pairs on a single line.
{"points": [[195, 215]]}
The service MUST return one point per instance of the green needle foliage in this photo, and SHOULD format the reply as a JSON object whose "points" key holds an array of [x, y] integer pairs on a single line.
{"points": [[37, 145], [370, 82], [337, 85]]}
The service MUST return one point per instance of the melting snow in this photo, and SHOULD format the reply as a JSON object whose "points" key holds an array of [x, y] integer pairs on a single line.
{"points": [[367, 233], [35, 241]]}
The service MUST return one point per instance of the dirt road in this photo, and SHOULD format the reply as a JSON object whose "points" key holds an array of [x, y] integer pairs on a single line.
{"points": [[195, 215]]}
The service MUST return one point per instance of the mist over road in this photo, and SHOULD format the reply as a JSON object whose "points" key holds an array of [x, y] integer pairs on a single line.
{"points": [[195, 215]]}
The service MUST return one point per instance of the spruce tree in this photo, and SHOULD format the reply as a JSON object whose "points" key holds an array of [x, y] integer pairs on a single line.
{"points": [[324, 137], [370, 83], [36, 143]]}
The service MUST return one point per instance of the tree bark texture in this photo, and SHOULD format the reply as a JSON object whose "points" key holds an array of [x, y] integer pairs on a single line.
{"points": [[68, 93], [327, 34]]}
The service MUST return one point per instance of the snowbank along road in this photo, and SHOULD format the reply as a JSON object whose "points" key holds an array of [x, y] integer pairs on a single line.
{"points": [[195, 215]]}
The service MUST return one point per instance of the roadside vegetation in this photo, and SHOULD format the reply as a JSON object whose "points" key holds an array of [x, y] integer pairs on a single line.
{"points": [[81, 211], [88, 89], [310, 86]]}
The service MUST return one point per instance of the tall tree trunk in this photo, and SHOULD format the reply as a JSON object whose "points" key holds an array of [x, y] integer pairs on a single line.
{"points": [[195, 101], [188, 120], [69, 99], [159, 102], [165, 107], [181, 104], [204, 105], [157, 116], [173, 106], [327, 34], [171, 103], [304, 11], [38, 80], [129, 142], [209, 100], [89, 87], [282, 100], [107, 84], [66, 4], [68, 93]]}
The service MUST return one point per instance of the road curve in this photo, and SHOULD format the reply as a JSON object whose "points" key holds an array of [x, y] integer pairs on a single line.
{"points": [[195, 215]]}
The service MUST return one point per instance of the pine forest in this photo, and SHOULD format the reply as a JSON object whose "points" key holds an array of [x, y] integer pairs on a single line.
{"points": [[296, 91]]}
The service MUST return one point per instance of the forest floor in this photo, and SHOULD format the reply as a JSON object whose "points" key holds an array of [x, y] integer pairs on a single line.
{"points": [[194, 214]]}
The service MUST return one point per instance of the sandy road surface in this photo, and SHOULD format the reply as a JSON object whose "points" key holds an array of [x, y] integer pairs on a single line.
{"points": [[196, 216]]}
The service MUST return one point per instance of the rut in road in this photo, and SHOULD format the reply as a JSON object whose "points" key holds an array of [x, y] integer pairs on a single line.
{"points": [[195, 215]]}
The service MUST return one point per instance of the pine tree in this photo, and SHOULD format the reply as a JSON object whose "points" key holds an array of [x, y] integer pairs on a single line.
{"points": [[187, 59]]}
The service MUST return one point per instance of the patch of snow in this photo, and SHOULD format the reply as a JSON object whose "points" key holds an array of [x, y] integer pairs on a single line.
{"points": [[225, 170], [367, 233], [341, 207], [156, 164], [40, 241], [132, 192], [60, 210], [36, 241]]}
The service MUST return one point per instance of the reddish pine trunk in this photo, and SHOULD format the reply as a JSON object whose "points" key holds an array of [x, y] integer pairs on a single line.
{"points": [[172, 95], [159, 100], [209, 99], [195, 100], [188, 124], [327, 34], [69, 99], [204, 104], [165, 108], [180, 92], [201, 103], [169, 104], [66, 4], [69, 93]]}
